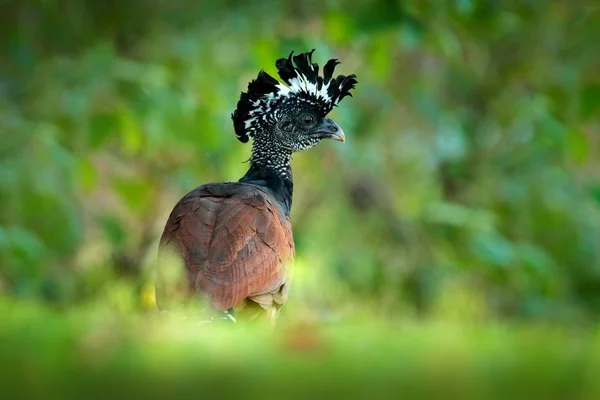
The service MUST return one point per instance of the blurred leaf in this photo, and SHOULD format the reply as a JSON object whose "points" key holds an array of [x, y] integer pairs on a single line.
{"points": [[113, 229], [494, 249], [535, 257], [590, 101], [4, 240], [339, 27], [136, 193], [102, 127], [131, 135], [449, 44], [465, 7], [380, 59], [459, 215], [24, 245], [383, 16], [265, 51], [578, 146], [86, 174], [450, 141], [596, 194]]}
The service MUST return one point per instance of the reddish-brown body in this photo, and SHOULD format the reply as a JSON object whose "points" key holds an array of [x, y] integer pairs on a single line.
{"points": [[236, 244]]}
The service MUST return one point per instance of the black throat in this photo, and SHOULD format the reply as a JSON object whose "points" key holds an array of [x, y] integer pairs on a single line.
{"points": [[270, 168]]}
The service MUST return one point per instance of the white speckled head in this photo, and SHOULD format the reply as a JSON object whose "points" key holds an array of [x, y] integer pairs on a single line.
{"points": [[293, 114]]}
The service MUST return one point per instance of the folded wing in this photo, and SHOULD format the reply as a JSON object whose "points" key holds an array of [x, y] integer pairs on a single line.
{"points": [[236, 245]]}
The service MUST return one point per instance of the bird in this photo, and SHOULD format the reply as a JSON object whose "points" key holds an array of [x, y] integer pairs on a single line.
{"points": [[233, 241]]}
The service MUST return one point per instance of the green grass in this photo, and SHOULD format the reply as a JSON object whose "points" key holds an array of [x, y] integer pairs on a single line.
{"points": [[93, 352]]}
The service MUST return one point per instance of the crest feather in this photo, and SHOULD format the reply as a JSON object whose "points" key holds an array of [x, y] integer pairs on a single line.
{"points": [[304, 85]]}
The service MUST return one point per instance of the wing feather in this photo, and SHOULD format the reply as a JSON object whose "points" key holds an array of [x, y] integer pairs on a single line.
{"points": [[234, 244]]}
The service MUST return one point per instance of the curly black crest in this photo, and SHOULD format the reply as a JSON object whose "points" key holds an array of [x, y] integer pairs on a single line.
{"points": [[260, 105]]}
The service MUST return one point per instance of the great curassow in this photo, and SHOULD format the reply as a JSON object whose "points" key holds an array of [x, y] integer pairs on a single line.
{"points": [[235, 239]]}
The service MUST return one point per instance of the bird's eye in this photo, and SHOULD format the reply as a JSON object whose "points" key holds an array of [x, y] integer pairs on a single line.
{"points": [[307, 119]]}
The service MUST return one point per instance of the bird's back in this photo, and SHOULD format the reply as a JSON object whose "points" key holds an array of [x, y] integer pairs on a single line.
{"points": [[236, 244]]}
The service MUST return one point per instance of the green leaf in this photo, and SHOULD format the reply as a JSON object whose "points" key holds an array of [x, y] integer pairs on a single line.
{"points": [[338, 27], [135, 193], [459, 215], [102, 127], [25, 244], [131, 135], [596, 194], [86, 174], [534, 257], [113, 230], [578, 146], [590, 101], [493, 248], [465, 7]]}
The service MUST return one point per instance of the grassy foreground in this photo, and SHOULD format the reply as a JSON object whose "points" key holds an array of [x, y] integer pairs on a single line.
{"points": [[94, 353]]}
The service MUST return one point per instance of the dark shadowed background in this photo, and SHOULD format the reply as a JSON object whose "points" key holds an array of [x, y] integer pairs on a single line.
{"points": [[467, 192]]}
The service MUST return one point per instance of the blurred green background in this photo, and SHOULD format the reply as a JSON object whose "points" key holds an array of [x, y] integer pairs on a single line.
{"points": [[467, 193]]}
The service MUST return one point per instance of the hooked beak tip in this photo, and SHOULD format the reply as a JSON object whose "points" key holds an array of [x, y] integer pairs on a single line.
{"points": [[338, 136], [330, 130]]}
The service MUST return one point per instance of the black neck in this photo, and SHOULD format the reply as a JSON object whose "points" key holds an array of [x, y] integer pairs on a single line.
{"points": [[273, 171]]}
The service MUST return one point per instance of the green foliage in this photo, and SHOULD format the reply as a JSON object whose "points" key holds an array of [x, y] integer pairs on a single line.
{"points": [[472, 153], [97, 354], [450, 247]]}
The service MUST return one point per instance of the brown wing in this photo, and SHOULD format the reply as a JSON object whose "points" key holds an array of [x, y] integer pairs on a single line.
{"points": [[235, 242]]}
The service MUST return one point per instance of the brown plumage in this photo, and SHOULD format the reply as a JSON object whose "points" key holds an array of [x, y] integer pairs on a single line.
{"points": [[236, 243], [235, 239]]}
